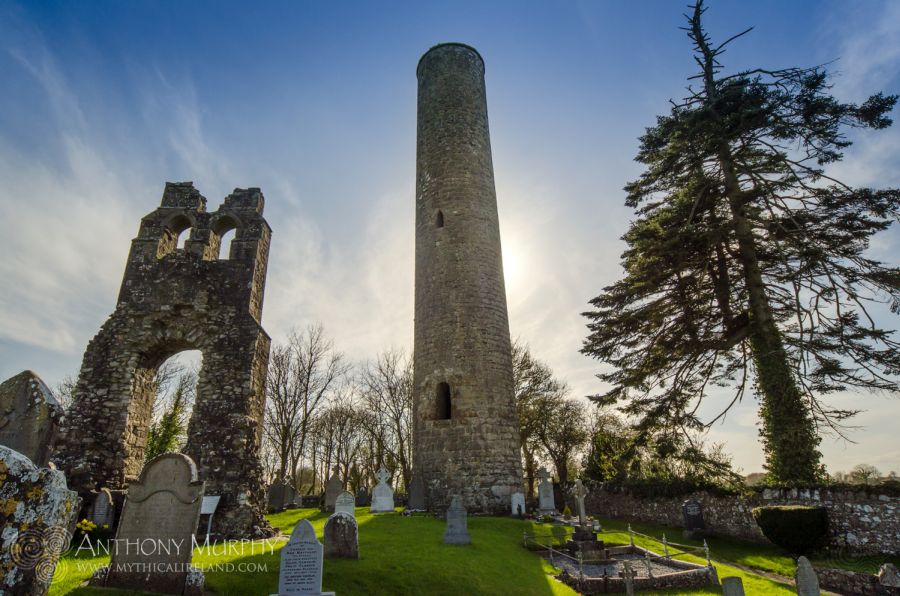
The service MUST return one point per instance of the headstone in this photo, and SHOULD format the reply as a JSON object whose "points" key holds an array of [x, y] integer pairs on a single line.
{"points": [[416, 492], [545, 493], [518, 504], [103, 511], [807, 580], [333, 488], [692, 512], [29, 417], [290, 496], [362, 497], [382, 494], [275, 497], [280, 496], [732, 586], [38, 508], [341, 537], [152, 549], [301, 563], [888, 576], [457, 525], [345, 503], [580, 493]]}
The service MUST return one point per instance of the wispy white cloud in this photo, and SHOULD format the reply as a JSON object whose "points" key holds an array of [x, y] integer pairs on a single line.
{"points": [[59, 216]]}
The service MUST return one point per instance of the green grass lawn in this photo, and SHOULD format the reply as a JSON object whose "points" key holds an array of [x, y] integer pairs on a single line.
{"points": [[406, 555]]}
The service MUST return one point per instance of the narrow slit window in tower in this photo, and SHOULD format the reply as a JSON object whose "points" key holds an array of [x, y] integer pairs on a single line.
{"points": [[440, 219], [443, 401]]}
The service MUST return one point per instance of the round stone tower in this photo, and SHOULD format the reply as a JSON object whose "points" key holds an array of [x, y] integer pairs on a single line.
{"points": [[465, 431]]}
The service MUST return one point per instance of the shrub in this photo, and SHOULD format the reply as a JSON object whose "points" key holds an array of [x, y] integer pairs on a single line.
{"points": [[567, 513], [796, 528]]}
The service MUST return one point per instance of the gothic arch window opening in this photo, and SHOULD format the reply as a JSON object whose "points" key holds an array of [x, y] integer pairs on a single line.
{"points": [[439, 219]]}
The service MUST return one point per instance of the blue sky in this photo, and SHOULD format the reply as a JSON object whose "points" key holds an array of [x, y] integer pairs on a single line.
{"points": [[315, 103]]}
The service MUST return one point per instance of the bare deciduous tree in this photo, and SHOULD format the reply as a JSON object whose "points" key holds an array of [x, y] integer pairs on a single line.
{"points": [[386, 386], [303, 375]]}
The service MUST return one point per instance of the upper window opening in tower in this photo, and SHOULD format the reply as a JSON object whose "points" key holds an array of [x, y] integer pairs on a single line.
{"points": [[443, 401], [174, 235], [439, 220], [225, 231], [183, 237], [225, 239]]}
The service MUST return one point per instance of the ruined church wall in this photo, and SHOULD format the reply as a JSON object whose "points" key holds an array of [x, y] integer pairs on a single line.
{"points": [[174, 299]]}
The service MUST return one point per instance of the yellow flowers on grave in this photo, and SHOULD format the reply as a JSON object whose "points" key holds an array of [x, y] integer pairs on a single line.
{"points": [[86, 526]]}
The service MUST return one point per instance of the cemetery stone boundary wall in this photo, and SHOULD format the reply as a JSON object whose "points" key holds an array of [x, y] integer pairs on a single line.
{"points": [[864, 521]]}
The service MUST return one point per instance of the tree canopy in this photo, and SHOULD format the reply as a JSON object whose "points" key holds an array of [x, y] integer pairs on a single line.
{"points": [[747, 264]]}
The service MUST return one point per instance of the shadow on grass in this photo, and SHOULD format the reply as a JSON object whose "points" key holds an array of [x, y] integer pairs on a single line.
{"points": [[406, 555]]}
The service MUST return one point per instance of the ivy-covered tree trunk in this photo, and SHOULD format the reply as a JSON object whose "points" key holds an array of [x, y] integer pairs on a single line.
{"points": [[788, 430]]}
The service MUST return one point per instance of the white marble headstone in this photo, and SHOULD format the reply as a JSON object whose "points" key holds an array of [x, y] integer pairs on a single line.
{"points": [[382, 494], [301, 563], [345, 503]]}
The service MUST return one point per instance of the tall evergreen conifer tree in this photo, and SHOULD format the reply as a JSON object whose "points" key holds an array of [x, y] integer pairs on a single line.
{"points": [[746, 265]]}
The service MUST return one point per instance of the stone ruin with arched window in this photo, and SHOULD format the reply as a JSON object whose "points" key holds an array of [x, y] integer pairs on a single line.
{"points": [[174, 299]]}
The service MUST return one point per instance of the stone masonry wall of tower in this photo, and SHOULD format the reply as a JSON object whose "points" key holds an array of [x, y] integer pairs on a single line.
{"points": [[465, 428]]}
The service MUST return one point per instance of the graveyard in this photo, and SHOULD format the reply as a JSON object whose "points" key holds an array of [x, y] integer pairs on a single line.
{"points": [[406, 555]]}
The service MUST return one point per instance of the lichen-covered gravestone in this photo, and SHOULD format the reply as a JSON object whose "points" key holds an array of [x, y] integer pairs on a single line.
{"points": [[29, 417], [37, 510], [153, 544], [807, 580], [333, 488], [103, 511], [341, 537], [546, 503], [345, 503], [301, 563], [692, 512], [382, 494], [457, 525]]}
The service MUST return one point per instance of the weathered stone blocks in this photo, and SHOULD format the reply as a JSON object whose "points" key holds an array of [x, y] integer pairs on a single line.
{"points": [[464, 418], [174, 299]]}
